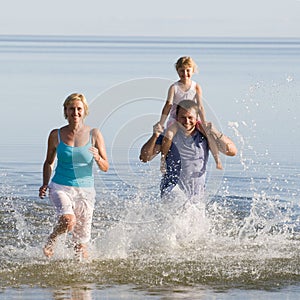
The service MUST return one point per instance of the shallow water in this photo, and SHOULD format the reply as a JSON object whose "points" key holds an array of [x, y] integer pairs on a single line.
{"points": [[241, 240], [225, 244]]}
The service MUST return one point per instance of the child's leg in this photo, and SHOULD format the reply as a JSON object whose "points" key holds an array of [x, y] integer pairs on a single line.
{"points": [[166, 145], [213, 146], [212, 137], [225, 144]]}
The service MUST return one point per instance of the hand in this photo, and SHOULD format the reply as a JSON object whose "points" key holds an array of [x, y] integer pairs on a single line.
{"points": [[158, 128], [42, 191], [95, 153]]}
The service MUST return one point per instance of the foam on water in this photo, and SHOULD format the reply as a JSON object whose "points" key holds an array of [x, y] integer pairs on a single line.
{"points": [[219, 240]]}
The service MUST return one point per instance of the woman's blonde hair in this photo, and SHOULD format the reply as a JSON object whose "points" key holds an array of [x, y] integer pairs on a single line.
{"points": [[74, 97], [186, 62]]}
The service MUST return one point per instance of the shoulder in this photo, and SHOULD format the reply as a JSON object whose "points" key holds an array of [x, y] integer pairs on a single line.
{"points": [[96, 136], [198, 88], [171, 93], [53, 133], [172, 87], [95, 132], [53, 138]]}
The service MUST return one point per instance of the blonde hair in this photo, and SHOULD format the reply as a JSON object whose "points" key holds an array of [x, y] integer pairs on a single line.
{"points": [[186, 62], [76, 97]]}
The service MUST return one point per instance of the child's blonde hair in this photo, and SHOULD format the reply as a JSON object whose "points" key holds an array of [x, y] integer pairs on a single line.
{"points": [[186, 62]]}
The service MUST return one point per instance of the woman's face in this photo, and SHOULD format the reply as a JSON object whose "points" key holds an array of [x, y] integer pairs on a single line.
{"points": [[75, 111]]}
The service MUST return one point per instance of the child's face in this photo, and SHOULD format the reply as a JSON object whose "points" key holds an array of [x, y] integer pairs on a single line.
{"points": [[185, 72]]}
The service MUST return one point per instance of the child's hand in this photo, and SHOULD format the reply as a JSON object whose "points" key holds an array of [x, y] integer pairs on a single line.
{"points": [[158, 128], [198, 125]]}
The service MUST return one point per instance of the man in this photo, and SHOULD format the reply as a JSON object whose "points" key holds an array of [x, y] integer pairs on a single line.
{"points": [[187, 159]]}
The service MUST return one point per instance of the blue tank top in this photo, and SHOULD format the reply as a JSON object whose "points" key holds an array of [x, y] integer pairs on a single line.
{"points": [[186, 164], [74, 165]]}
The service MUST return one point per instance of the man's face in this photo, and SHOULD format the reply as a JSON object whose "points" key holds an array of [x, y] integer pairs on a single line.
{"points": [[187, 119]]}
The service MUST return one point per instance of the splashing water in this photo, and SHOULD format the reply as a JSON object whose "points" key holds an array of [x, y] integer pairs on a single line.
{"points": [[250, 241], [245, 234]]}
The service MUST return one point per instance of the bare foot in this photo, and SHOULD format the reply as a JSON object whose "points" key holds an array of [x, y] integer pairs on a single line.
{"points": [[81, 252], [219, 166], [49, 247]]}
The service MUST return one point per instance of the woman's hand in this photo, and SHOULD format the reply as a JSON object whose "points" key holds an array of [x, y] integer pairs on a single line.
{"points": [[42, 191], [95, 153]]}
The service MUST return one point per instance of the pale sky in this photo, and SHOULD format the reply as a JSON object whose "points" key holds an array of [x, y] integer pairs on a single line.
{"points": [[227, 18]]}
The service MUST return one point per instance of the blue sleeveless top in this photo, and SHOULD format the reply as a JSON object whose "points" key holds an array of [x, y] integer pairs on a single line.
{"points": [[185, 164], [74, 165]]}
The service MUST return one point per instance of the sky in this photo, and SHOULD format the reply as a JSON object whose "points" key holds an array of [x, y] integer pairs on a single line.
{"points": [[209, 18]]}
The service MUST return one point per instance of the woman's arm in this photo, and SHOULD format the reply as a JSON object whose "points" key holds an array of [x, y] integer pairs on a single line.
{"points": [[99, 151], [49, 162]]}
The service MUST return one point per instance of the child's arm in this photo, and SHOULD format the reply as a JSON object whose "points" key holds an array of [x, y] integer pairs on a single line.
{"points": [[167, 107], [200, 103], [150, 149]]}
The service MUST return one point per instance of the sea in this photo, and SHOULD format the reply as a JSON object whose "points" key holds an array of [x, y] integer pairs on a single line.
{"points": [[240, 241]]}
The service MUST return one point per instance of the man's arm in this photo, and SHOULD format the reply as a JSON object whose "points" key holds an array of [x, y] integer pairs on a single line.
{"points": [[150, 149], [226, 145]]}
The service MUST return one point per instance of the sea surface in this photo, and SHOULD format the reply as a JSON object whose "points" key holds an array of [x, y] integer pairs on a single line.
{"points": [[241, 241]]}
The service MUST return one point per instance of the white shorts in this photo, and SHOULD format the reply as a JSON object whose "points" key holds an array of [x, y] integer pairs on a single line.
{"points": [[77, 201]]}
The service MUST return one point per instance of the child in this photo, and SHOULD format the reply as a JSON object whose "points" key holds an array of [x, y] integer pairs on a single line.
{"points": [[185, 89]]}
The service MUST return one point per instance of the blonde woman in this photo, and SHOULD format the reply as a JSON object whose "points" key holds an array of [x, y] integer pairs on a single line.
{"points": [[71, 190]]}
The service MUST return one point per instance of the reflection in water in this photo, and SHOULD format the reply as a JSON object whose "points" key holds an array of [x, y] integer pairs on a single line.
{"points": [[73, 293]]}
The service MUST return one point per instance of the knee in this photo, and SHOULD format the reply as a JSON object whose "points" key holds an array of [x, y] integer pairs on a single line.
{"points": [[68, 222]]}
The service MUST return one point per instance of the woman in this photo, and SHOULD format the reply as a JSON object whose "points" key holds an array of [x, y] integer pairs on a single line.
{"points": [[71, 189]]}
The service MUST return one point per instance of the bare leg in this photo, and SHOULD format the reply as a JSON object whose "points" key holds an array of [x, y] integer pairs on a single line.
{"points": [[224, 143], [166, 145], [213, 146], [65, 224], [212, 137], [80, 251]]}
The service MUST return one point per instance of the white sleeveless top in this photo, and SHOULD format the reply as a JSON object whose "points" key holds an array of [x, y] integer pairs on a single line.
{"points": [[180, 95]]}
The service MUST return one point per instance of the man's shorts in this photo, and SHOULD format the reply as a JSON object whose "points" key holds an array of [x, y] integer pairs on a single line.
{"points": [[75, 201]]}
